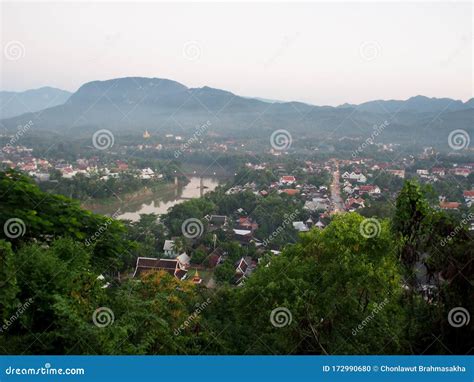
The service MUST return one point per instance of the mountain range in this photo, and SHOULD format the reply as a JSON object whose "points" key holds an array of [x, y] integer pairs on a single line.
{"points": [[16, 103], [134, 104]]}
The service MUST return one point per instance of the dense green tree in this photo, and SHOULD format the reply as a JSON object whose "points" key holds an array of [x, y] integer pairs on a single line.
{"points": [[148, 234], [41, 216], [191, 209], [8, 283], [62, 292], [199, 256], [439, 246], [328, 284], [346, 289], [225, 273], [412, 225]]}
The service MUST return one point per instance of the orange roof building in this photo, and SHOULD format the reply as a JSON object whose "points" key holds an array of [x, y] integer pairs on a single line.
{"points": [[449, 205], [291, 191]]}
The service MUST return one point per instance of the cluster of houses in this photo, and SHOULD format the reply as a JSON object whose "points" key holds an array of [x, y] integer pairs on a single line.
{"points": [[435, 174], [316, 202], [22, 158], [468, 196], [354, 182], [184, 144], [396, 169], [316, 199], [241, 228], [179, 265], [355, 187], [355, 194]]}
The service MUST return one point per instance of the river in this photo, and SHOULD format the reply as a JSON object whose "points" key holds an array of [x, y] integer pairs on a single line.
{"points": [[154, 202]]}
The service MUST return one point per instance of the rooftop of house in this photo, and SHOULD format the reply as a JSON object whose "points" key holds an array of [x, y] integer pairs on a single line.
{"points": [[217, 219], [184, 259], [171, 266], [242, 232], [290, 191], [449, 205], [241, 266]]}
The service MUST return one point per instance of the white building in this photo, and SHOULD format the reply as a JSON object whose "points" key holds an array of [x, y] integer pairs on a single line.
{"points": [[147, 173], [358, 177]]}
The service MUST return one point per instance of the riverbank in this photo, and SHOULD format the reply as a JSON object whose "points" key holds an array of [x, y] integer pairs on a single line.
{"points": [[140, 196], [156, 200]]}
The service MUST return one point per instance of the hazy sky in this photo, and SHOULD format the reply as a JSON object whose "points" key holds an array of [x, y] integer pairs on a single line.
{"points": [[322, 53]]}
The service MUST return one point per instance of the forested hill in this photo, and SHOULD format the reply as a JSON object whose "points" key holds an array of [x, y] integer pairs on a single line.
{"points": [[132, 104], [315, 298]]}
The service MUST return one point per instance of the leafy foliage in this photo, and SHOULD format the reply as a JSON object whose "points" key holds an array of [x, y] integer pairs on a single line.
{"points": [[344, 293], [47, 216]]}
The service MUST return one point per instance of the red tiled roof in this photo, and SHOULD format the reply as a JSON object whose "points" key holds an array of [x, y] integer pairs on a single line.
{"points": [[368, 187], [244, 221], [352, 201], [291, 191], [469, 193], [449, 205]]}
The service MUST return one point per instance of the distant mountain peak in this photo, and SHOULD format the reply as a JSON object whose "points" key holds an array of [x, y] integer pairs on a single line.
{"points": [[133, 104], [32, 100], [418, 103]]}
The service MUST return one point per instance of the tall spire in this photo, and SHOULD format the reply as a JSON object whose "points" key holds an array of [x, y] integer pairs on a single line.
{"points": [[196, 278]]}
